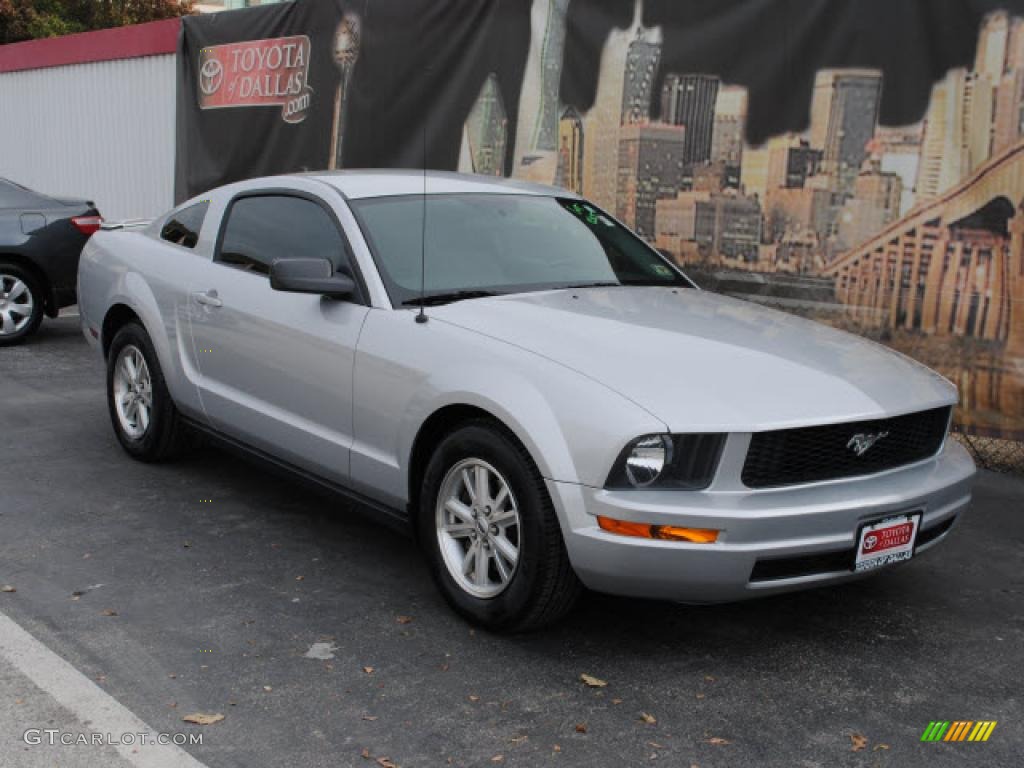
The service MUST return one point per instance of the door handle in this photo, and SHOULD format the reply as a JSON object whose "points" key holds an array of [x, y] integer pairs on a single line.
{"points": [[209, 298]]}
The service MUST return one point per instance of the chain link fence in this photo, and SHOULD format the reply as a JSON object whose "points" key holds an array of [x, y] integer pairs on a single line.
{"points": [[994, 453]]}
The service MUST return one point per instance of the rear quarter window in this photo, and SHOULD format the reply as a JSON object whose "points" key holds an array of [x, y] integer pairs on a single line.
{"points": [[183, 227]]}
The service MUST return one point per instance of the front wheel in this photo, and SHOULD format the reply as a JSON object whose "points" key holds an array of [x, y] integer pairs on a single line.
{"points": [[142, 412], [490, 532]]}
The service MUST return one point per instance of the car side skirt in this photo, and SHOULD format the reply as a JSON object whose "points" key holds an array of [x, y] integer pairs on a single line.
{"points": [[394, 518]]}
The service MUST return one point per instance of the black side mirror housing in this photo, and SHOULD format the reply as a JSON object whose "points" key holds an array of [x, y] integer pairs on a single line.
{"points": [[310, 276]]}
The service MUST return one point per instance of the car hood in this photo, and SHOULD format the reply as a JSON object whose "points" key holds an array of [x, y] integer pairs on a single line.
{"points": [[704, 362]]}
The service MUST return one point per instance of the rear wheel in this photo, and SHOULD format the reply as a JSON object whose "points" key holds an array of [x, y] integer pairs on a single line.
{"points": [[21, 304], [490, 532], [142, 412]]}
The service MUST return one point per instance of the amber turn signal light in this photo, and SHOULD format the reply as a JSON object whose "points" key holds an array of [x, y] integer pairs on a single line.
{"points": [[663, 532]]}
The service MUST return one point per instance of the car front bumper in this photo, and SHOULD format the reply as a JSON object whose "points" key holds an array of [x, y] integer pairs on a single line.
{"points": [[771, 541]]}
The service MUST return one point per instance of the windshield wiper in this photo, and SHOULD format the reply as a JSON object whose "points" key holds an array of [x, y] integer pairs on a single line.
{"points": [[433, 299]]}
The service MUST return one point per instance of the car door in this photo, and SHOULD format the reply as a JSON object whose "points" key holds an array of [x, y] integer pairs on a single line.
{"points": [[275, 367]]}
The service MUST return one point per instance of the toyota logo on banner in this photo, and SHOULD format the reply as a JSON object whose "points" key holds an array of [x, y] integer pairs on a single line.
{"points": [[258, 73], [211, 75]]}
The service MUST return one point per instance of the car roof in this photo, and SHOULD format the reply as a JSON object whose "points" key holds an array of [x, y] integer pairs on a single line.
{"points": [[386, 183]]}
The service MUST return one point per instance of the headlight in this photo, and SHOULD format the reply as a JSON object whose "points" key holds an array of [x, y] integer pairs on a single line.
{"points": [[647, 458], [684, 462]]}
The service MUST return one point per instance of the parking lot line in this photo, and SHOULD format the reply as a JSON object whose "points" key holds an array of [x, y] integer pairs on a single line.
{"points": [[87, 701]]}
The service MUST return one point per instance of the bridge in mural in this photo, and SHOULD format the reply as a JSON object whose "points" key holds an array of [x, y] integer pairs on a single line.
{"points": [[953, 268], [952, 265]]}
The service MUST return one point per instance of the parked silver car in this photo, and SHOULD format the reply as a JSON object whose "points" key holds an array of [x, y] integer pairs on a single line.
{"points": [[542, 396]]}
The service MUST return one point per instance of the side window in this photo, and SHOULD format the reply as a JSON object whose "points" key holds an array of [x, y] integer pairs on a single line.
{"points": [[183, 227], [264, 228]]}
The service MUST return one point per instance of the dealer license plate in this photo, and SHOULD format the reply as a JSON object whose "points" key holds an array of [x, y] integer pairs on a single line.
{"points": [[886, 541]]}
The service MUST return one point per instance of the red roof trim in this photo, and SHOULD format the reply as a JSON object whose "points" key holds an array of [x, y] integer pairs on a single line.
{"points": [[151, 39]]}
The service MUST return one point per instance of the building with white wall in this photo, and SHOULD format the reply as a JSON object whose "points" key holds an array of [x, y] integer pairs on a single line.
{"points": [[93, 116]]}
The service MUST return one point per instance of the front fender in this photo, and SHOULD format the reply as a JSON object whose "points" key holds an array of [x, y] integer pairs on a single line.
{"points": [[572, 426]]}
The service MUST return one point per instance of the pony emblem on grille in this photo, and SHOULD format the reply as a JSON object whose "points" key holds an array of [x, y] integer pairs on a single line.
{"points": [[861, 442]]}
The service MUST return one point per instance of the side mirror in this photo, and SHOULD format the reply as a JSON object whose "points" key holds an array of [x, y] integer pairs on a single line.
{"points": [[310, 276]]}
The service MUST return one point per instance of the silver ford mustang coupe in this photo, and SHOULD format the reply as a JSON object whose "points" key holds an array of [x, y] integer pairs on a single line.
{"points": [[541, 397]]}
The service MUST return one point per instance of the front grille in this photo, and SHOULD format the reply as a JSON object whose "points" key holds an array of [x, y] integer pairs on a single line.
{"points": [[815, 454]]}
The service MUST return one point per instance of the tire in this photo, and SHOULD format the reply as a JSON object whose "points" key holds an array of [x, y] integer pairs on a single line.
{"points": [[161, 434], [541, 586], [21, 304]]}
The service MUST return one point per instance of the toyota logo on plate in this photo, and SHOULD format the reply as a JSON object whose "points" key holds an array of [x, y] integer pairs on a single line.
{"points": [[211, 75]]}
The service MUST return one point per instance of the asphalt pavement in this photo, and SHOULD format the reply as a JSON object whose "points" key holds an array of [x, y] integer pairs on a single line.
{"points": [[211, 587]]}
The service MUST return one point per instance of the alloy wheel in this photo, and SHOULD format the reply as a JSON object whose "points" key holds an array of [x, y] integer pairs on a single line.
{"points": [[478, 528], [133, 392], [16, 305]]}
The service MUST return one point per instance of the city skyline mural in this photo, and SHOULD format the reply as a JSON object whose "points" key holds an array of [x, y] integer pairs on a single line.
{"points": [[835, 177]]}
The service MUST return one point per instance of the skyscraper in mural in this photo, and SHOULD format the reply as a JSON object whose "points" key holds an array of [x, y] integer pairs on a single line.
{"points": [[844, 113], [641, 69], [603, 121], [486, 131], [570, 151], [544, 135], [729, 124], [689, 100], [651, 165]]}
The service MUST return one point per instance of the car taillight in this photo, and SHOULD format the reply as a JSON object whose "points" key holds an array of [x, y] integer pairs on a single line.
{"points": [[87, 224]]}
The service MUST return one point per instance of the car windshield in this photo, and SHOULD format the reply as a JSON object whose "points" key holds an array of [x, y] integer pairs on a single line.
{"points": [[478, 244]]}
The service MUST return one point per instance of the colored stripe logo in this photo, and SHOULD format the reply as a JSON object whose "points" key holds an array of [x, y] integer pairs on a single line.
{"points": [[958, 730]]}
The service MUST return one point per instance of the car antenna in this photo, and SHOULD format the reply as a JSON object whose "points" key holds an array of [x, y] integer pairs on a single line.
{"points": [[421, 316]]}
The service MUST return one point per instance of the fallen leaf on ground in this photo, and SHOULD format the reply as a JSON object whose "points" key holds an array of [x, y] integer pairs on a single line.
{"points": [[368, 670], [649, 719], [700, 695], [593, 682], [718, 741], [556, 748], [109, 612], [858, 741], [498, 759], [473, 697], [202, 718], [616, 701], [655, 744], [300, 578], [518, 739], [19, 701], [386, 762], [880, 746], [267, 688], [172, 675], [7, 588], [371, 718], [404, 619], [581, 727], [365, 753]]}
